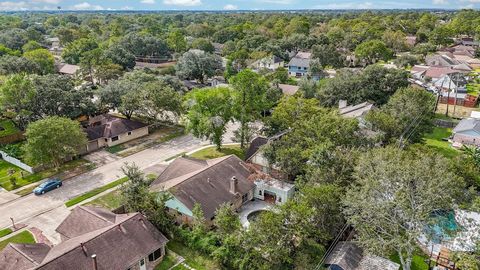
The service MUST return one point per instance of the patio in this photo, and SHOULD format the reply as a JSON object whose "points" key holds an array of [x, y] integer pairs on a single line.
{"points": [[251, 207]]}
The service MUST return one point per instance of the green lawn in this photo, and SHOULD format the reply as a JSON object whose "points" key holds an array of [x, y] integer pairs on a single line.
{"points": [[434, 140], [24, 237], [418, 262], [168, 261], [32, 178], [110, 200], [7, 128], [94, 192], [212, 152], [115, 149], [4, 232], [192, 257]]}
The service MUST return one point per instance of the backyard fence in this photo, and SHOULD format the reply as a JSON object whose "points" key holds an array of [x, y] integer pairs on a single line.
{"points": [[16, 162], [445, 123]]}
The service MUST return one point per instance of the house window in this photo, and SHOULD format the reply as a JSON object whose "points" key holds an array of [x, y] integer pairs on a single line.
{"points": [[115, 138], [260, 192], [305, 68], [106, 140], [155, 255], [244, 197], [299, 68], [142, 262], [129, 133], [279, 199]]}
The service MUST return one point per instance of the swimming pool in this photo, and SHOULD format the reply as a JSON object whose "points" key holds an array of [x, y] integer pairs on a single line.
{"points": [[443, 227]]}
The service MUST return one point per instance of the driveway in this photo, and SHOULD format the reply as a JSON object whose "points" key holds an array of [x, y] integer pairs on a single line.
{"points": [[101, 157], [33, 209], [47, 211]]}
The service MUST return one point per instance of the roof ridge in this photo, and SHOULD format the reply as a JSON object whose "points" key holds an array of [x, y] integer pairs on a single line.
{"points": [[95, 214], [21, 252], [106, 229], [194, 173]]}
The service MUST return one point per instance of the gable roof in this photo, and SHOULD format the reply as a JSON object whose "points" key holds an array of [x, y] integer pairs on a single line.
{"points": [[288, 89], [209, 185], [256, 143], [468, 124], [84, 219], [358, 110], [299, 62], [108, 126], [120, 233], [349, 256], [22, 256], [69, 69]]}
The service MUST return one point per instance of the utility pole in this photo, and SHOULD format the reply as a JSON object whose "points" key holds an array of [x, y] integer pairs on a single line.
{"points": [[448, 95], [456, 91]]}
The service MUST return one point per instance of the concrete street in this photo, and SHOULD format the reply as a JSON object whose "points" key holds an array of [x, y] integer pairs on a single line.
{"points": [[47, 211]]}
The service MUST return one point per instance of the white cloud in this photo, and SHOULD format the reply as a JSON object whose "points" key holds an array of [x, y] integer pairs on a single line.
{"points": [[188, 3], [148, 2], [280, 2], [230, 7], [87, 6], [349, 5], [47, 1], [7, 6], [439, 2]]}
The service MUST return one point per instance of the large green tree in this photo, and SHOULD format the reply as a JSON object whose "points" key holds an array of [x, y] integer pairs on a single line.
{"points": [[373, 50], [43, 58], [406, 116], [209, 111], [52, 140], [249, 100], [395, 194], [198, 65]]}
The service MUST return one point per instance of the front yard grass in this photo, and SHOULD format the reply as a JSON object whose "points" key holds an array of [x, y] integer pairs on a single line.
{"points": [[435, 141], [111, 200], [24, 237], [212, 152], [94, 192], [32, 178], [7, 127], [168, 261], [418, 261], [192, 257], [5, 232]]}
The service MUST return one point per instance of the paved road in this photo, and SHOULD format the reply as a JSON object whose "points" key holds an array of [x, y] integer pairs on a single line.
{"points": [[46, 211]]}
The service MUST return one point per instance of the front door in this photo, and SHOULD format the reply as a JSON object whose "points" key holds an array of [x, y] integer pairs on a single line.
{"points": [[143, 266]]}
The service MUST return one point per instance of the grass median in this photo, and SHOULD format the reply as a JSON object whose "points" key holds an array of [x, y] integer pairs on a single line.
{"points": [[24, 237], [94, 192]]}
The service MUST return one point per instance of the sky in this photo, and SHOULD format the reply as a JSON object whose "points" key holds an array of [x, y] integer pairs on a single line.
{"points": [[14, 5]]}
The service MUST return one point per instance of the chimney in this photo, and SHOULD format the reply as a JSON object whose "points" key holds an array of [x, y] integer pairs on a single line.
{"points": [[233, 185], [342, 104], [94, 258]]}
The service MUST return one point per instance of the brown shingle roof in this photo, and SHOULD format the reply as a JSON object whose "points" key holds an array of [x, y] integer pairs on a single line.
{"points": [[117, 246], [84, 219], [254, 146], [208, 186], [122, 242], [112, 126], [22, 256]]}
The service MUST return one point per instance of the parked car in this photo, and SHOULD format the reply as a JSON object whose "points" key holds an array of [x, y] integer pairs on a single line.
{"points": [[46, 186]]}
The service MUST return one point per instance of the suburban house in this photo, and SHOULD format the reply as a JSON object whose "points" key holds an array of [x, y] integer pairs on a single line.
{"points": [[411, 41], [107, 130], [67, 69], [93, 238], [54, 46], [467, 132], [299, 64], [271, 63], [347, 255], [354, 111], [287, 89], [255, 157], [209, 183]]}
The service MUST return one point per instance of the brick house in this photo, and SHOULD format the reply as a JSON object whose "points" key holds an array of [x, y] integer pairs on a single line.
{"points": [[210, 183], [92, 238], [108, 130]]}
